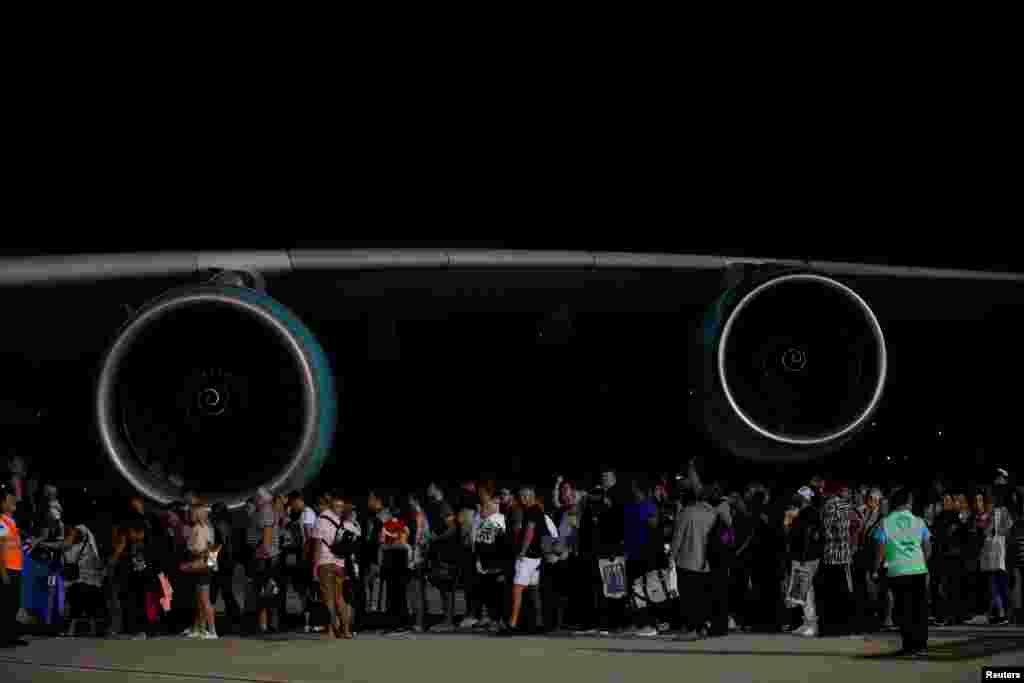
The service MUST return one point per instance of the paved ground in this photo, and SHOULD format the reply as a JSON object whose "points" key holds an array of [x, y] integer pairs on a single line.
{"points": [[957, 655]]}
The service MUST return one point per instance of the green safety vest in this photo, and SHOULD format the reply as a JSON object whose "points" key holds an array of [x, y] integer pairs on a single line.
{"points": [[904, 554]]}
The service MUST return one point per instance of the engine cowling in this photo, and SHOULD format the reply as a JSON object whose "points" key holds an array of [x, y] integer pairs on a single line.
{"points": [[216, 389], [793, 366]]}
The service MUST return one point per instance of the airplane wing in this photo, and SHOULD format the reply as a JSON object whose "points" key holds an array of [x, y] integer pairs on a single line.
{"points": [[219, 352], [94, 267]]}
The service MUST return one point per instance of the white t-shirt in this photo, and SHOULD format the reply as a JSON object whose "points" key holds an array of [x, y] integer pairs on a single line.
{"points": [[308, 517]]}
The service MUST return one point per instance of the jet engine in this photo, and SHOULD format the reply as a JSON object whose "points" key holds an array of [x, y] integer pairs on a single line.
{"points": [[216, 389], [793, 364]]}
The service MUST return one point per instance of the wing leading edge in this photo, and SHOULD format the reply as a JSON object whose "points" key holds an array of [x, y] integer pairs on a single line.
{"points": [[42, 270]]}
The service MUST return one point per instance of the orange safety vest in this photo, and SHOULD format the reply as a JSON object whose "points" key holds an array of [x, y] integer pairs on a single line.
{"points": [[12, 545]]}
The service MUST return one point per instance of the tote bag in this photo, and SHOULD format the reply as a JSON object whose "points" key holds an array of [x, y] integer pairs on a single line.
{"points": [[993, 550]]}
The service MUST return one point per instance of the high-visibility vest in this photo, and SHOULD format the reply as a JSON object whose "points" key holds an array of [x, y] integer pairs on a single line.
{"points": [[904, 554], [11, 545]]}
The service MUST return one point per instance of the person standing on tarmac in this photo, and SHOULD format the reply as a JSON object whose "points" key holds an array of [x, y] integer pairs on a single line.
{"points": [[11, 564], [904, 548]]}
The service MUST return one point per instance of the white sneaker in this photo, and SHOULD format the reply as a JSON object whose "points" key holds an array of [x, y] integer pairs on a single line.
{"points": [[139, 636], [468, 622], [188, 633], [209, 635], [646, 632], [980, 620], [809, 632], [196, 635]]}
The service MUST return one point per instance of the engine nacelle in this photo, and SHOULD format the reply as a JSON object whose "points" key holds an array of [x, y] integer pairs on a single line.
{"points": [[793, 364], [217, 389]]}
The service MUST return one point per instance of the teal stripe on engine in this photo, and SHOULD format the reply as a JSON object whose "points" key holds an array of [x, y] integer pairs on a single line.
{"points": [[323, 376]]}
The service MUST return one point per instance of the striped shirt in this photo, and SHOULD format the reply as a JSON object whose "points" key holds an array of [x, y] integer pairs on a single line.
{"points": [[836, 520]]}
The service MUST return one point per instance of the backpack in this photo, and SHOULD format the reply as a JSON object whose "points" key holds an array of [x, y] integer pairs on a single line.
{"points": [[225, 541], [345, 543], [721, 546]]}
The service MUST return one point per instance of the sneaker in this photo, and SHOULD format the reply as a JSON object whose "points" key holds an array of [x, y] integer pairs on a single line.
{"points": [[139, 636], [807, 632], [648, 632], [188, 633], [196, 635], [980, 620], [484, 623], [209, 635], [586, 632], [998, 621], [468, 622], [664, 627], [443, 628]]}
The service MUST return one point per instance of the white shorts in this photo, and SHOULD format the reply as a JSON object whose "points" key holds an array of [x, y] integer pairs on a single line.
{"points": [[527, 571]]}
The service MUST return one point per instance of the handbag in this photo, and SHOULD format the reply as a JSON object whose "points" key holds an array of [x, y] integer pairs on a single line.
{"points": [[42, 554], [655, 587], [798, 587], [993, 551], [613, 577]]}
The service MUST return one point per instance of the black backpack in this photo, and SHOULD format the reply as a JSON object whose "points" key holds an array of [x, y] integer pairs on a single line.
{"points": [[225, 541], [345, 542]]}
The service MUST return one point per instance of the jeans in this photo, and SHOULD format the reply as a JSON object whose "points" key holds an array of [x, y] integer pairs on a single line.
{"points": [[223, 582], [1000, 583], [809, 607], [418, 581]]}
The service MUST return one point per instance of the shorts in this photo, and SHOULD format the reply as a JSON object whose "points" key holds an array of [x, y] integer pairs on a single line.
{"points": [[527, 571]]}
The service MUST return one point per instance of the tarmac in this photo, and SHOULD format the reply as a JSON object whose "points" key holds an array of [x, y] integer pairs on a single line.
{"points": [[955, 654]]}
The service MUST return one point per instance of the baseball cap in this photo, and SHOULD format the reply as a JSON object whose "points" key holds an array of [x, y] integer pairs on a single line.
{"points": [[806, 492]]}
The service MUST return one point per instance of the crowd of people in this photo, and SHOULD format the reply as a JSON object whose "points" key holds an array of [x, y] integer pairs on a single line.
{"points": [[640, 555]]}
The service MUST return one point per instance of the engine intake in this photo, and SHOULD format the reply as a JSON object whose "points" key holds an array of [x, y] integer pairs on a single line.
{"points": [[216, 389], [797, 365]]}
